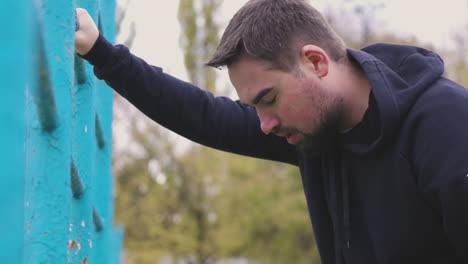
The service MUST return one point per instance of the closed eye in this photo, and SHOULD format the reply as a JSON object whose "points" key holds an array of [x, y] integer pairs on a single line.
{"points": [[269, 101]]}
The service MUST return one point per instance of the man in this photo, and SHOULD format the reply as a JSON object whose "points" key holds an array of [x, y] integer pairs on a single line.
{"points": [[378, 133]]}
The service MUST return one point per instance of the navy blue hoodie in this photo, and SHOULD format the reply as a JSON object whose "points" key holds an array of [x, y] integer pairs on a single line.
{"points": [[395, 188]]}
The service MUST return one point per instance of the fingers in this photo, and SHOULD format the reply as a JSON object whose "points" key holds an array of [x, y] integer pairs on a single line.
{"points": [[81, 12], [86, 32], [84, 18]]}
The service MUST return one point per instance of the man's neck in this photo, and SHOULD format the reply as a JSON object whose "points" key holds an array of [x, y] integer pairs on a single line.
{"points": [[357, 90]]}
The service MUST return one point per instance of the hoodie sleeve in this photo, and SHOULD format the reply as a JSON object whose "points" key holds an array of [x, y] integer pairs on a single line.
{"points": [[196, 114], [441, 159]]}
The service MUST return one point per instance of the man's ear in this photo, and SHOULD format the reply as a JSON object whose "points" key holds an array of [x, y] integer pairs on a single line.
{"points": [[315, 59]]}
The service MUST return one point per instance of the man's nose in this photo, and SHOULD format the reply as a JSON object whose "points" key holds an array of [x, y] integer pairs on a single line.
{"points": [[268, 123]]}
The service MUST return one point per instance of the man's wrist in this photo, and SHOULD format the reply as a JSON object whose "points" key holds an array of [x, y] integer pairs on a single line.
{"points": [[100, 53]]}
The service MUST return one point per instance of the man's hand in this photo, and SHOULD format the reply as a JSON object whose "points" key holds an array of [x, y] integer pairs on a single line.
{"points": [[87, 34]]}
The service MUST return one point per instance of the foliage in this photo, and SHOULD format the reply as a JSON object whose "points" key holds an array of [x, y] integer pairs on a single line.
{"points": [[459, 66]]}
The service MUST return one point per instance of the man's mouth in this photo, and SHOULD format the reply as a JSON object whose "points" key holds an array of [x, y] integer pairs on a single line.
{"points": [[292, 138]]}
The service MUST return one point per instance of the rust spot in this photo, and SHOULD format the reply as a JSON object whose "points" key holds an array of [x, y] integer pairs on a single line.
{"points": [[85, 260], [72, 244]]}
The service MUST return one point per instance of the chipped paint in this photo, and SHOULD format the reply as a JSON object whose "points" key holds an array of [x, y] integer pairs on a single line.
{"points": [[72, 244]]}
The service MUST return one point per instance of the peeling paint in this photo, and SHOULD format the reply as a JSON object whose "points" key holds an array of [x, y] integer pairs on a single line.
{"points": [[72, 244]]}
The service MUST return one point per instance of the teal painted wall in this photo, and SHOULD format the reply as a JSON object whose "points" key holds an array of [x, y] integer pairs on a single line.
{"points": [[56, 136], [14, 75]]}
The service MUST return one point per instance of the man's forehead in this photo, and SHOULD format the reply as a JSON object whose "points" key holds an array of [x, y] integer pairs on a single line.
{"points": [[249, 69], [248, 79]]}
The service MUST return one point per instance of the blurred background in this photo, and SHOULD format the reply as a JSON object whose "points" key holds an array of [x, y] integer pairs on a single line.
{"points": [[184, 203]]}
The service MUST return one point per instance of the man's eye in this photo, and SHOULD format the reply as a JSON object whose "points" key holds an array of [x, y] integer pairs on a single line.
{"points": [[270, 101]]}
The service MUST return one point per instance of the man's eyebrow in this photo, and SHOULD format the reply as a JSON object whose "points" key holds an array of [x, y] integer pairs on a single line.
{"points": [[260, 95]]}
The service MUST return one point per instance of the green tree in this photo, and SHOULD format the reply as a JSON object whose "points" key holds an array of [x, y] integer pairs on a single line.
{"points": [[263, 215], [459, 58], [199, 39]]}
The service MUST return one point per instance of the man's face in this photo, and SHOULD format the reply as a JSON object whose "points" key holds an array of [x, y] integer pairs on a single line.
{"points": [[294, 105]]}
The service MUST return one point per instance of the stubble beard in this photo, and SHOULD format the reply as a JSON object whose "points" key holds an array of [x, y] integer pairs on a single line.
{"points": [[326, 135]]}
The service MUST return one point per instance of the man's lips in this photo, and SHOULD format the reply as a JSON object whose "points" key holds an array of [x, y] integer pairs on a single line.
{"points": [[292, 138]]}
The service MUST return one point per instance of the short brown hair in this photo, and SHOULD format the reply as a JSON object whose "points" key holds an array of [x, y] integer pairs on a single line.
{"points": [[272, 30]]}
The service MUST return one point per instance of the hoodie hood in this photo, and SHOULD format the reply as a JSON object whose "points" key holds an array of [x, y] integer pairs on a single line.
{"points": [[398, 74]]}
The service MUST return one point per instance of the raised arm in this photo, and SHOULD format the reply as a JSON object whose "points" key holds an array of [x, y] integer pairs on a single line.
{"points": [[217, 122]]}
